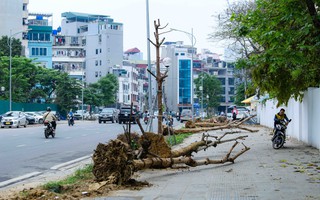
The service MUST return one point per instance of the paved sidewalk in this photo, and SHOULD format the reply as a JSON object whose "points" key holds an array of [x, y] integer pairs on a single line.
{"points": [[261, 173]]}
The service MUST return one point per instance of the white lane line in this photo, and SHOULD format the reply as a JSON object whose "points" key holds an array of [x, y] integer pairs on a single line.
{"points": [[21, 145], [18, 179], [69, 163]]}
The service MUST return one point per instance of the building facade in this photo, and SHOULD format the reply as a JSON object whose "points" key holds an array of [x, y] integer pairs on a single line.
{"points": [[14, 20], [40, 39], [88, 45], [185, 67]]}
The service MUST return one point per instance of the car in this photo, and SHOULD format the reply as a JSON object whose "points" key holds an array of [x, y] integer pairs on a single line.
{"points": [[186, 115], [124, 115], [14, 119], [107, 114], [30, 119], [37, 116], [80, 113]]}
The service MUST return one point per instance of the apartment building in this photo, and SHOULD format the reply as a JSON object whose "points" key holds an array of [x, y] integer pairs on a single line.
{"points": [[14, 20], [87, 45], [40, 38]]}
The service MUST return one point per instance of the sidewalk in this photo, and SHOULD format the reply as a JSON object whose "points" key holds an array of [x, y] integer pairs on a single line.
{"points": [[291, 173]]}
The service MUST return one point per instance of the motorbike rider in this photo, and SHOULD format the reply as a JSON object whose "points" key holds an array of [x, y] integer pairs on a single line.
{"points": [[234, 112], [279, 117], [51, 118], [70, 115]]}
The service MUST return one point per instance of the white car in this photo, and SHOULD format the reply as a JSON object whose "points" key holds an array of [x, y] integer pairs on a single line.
{"points": [[14, 119], [37, 117]]}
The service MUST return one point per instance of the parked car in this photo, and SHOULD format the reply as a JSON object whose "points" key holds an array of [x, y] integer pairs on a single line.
{"points": [[14, 119], [124, 115], [186, 114], [37, 116], [107, 114], [30, 119]]}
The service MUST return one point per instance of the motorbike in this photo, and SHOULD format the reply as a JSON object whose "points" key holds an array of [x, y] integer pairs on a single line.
{"points": [[279, 136], [48, 129], [70, 120]]}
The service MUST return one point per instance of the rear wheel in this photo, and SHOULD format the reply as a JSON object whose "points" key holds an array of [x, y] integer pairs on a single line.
{"points": [[278, 141], [99, 121]]}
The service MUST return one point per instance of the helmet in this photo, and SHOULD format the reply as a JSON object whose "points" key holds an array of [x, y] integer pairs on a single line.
{"points": [[48, 109]]}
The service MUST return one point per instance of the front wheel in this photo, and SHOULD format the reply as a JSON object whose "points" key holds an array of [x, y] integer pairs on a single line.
{"points": [[46, 133], [278, 141], [53, 134]]}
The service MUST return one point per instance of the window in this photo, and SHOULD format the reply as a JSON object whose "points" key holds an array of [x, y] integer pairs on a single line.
{"points": [[96, 63], [96, 74], [231, 81], [100, 50], [100, 62], [182, 54], [97, 51], [41, 36], [47, 37], [38, 51]]}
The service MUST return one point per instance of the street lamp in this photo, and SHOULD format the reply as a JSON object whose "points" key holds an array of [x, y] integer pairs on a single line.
{"points": [[10, 64], [193, 42]]}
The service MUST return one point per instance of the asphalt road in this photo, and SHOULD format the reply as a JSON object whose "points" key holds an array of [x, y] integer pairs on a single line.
{"points": [[25, 150]]}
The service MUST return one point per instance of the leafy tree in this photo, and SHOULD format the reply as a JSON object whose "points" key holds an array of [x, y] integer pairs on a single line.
{"points": [[211, 88], [23, 77], [244, 90], [4, 46], [288, 35], [66, 90]]}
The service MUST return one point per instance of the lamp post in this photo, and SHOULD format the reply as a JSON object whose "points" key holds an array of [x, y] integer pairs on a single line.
{"points": [[82, 79], [10, 65], [192, 46]]}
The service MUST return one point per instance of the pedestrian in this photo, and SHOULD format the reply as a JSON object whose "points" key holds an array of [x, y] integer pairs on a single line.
{"points": [[234, 113]]}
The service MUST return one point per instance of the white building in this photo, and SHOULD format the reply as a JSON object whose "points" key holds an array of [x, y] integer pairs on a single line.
{"points": [[91, 44], [128, 85], [14, 20]]}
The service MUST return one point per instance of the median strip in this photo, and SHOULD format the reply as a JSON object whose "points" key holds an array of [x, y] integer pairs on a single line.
{"points": [[69, 163]]}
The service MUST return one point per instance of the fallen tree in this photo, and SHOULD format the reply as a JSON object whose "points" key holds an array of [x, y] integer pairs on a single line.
{"points": [[115, 162]]}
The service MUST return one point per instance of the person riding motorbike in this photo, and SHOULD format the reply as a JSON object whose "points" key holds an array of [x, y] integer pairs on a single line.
{"points": [[51, 118], [70, 117], [279, 117]]}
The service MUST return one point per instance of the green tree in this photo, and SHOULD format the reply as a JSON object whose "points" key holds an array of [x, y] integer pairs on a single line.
{"points": [[244, 91], [211, 89], [4, 47], [23, 78], [102, 93], [288, 32]]}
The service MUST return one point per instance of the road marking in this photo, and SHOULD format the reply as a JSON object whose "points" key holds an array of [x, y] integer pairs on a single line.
{"points": [[18, 179], [70, 162], [21, 145]]}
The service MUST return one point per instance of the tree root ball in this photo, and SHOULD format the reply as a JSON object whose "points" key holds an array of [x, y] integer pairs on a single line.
{"points": [[111, 162], [158, 145]]}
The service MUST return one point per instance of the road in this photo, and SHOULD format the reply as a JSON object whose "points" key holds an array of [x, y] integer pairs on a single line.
{"points": [[25, 150]]}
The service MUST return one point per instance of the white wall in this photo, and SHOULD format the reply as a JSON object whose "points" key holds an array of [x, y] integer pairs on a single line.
{"points": [[305, 116]]}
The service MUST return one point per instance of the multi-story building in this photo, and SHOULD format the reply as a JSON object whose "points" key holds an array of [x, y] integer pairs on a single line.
{"points": [[14, 20], [128, 85], [88, 45], [40, 39], [177, 86]]}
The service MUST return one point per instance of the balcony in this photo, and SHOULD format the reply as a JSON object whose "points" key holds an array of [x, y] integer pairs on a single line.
{"points": [[68, 41]]}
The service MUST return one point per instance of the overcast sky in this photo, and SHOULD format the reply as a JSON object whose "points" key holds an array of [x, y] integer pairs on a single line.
{"points": [[179, 14]]}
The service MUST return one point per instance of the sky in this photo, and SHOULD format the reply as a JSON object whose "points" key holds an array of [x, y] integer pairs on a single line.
{"points": [[185, 15]]}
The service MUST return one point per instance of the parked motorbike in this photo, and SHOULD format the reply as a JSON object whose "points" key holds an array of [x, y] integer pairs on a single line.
{"points": [[48, 129], [70, 120], [279, 136]]}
